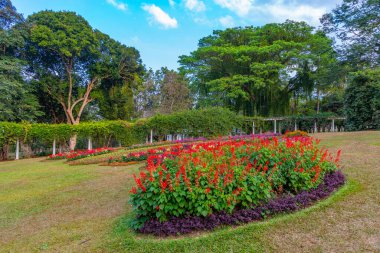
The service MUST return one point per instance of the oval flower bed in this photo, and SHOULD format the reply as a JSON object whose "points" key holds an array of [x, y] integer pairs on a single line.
{"points": [[79, 154], [201, 186]]}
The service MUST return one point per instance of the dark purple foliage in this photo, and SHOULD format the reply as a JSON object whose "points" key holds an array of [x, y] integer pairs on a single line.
{"points": [[284, 204]]}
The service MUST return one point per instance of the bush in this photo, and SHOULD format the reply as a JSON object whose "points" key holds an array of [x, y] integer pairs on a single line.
{"points": [[297, 133], [202, 179]]}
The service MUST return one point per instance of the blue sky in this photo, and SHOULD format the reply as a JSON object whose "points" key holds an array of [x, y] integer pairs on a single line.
{"points": [[165, 29]]}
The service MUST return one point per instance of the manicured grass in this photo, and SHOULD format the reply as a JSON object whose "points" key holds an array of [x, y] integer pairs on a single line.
{"points": [[52, 206]]}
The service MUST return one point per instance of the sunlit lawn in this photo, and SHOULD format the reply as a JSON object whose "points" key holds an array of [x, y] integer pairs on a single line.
{"points": [[52, 206]]}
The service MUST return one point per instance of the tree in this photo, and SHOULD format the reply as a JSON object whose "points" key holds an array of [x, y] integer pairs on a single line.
{"points": [[356, 23], [362, 100], [70, 60], [175, 94], [62, 53], [115, 94], [147, 97], [164, 91], [17, 102], [251, 69]]}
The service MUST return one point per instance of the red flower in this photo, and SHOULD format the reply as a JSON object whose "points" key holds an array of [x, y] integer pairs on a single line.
{"points": [[133, 190]]}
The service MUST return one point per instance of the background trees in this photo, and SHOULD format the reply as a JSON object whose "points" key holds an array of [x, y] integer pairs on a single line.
{"points": [[54, 67], [362, 100], [356, 23], [258, 70], [17, 102], [164, 91]]}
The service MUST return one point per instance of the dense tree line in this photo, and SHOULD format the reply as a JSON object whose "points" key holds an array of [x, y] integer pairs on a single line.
{"points": [[54, 68], [264, 70]]}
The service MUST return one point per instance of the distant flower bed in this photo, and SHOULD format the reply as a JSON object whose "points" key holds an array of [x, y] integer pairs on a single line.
{"points": [[143, 155], [78, 154], [222, 177], [162, 143], [297, 133]]}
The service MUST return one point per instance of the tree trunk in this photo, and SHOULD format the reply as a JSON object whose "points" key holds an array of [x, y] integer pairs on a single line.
{"points": [[73, 141], [317, 101], [26, 150], [4, 152]]}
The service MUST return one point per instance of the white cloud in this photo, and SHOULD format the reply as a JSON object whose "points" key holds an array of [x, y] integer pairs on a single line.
{"points": [[160, 17], [274, 10], [120, 6], [240, 7], [281, 11], [171, 2], [195, 5], [227, 21]]}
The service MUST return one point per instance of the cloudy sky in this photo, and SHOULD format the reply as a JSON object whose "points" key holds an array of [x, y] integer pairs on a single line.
{"points": [[164, 29]]}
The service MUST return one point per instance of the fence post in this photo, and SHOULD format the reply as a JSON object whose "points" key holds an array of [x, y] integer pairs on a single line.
{"points": [[253, 127], [151, 135], [54, 147], [315, 127], [17, 149], [333, 125], [275, 126], [89, 146], [295, 125]]}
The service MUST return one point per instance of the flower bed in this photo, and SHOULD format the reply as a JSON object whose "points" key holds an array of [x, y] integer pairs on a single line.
{"points": [[296, 133], [78, 154], [216, 177], [284, 204], [142, 155]]}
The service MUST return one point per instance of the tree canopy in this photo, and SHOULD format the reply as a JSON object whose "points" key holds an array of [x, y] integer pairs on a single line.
{"points": [[17, 101], [70, 59], [255, 70], [356, 23]]}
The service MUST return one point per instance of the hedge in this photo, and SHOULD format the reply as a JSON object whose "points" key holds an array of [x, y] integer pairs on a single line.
{"points": [[208, 122]]}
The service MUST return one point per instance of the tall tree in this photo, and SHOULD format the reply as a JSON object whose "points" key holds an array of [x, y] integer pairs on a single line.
{"points": [[356, 23], [250, 69], [174, 91], [164, 91], [70, 60], [17, 102], [147, 97], [115, 94]]}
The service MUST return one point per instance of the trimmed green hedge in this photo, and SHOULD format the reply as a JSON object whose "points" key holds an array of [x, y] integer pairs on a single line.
{"points": [[208, 122]]}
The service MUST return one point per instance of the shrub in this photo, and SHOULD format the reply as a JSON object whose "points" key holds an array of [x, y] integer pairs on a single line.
{"points": [[297, 133], [216, 176]]}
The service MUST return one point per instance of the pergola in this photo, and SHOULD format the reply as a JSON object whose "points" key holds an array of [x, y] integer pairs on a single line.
{"points": [[275, 119]]}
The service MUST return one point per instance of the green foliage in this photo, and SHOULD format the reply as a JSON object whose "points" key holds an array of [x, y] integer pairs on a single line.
{"points": [[249, 69], [206, 122], [362, 100], [70, 60], [221, 176], [17, 102]]}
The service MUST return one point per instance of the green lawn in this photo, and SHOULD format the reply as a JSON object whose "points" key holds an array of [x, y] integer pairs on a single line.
{"points": [[51, 206]]}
